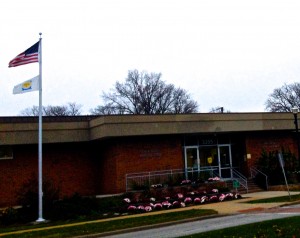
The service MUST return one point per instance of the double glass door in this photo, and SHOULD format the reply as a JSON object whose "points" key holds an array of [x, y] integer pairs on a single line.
{"points": [[217, 158]]}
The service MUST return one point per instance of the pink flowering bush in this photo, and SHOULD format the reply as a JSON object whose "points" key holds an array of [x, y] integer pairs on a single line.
{"points": [[186, 181], [131, 208], [176, 204], [166, 204], [214, 179], [222, 197], [159, 185], [213, 198], [126, 200], [180, 200], [158, 206], [180, 196], [167, 197], [148, 208], [188, 200], [204, 199], [229, 196], [197, 201]]}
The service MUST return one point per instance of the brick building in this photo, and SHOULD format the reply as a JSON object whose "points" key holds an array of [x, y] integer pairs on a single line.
{"points": [[92, 155]]}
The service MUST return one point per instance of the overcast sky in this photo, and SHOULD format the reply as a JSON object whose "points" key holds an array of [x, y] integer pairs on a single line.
{"points": [[224, 53]]}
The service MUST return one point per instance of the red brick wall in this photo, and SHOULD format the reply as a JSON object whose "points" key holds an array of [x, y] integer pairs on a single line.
{"points": [[100, 167], [67, 166], [106, 153], [85, 169], [71, 168], [140, 154], [256, 143]]}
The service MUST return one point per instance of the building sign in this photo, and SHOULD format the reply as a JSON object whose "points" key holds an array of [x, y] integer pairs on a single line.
{"points": [[208, 141], [149, 153]]}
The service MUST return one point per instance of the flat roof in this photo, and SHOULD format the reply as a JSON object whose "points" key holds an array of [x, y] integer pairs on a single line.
{"points": [[56, 129]]}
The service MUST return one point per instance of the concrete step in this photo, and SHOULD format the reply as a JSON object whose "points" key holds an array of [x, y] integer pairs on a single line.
{"points": [[252, 187]]}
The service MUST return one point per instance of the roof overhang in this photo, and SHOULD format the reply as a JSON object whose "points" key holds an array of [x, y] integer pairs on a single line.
{"points": [[24, 130]]}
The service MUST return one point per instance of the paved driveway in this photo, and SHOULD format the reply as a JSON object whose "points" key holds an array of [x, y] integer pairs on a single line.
{"points": [[216, 223]]}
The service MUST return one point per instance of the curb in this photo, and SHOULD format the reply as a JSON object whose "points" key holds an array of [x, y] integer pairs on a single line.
{"points": [[109, 233]]}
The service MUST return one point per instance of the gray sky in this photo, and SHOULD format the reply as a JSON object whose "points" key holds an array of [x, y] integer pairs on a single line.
{"points": [[224, 53]]}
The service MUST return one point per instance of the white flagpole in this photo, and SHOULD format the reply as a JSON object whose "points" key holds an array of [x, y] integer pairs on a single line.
{"points": [[40, 167]]}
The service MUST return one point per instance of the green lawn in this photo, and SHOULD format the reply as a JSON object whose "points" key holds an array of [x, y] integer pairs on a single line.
{"points": [[287, 227], [106, 226], [294, 198]]}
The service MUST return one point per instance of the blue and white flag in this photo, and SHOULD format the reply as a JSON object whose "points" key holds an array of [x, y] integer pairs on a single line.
{"points": [[27, 86]]}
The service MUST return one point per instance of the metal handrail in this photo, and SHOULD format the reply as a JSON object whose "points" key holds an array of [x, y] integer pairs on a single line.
{"points": [[151, 176], [240, 178], [254, 171]]}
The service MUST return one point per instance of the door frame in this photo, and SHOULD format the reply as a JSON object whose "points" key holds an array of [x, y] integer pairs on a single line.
{"points": [[220, 168], [230, 160], [186, 159]]}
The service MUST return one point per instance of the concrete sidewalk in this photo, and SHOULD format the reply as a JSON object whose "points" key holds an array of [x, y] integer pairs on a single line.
{"points": [[241, 205], [236, 206]]}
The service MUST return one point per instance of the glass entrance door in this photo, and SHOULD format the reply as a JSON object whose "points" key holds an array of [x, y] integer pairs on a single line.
{"points": [[209, 158], [192, 163], [225, 161]]}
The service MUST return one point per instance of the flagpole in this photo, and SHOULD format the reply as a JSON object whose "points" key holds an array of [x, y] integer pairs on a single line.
{"points": [[40, 167]]}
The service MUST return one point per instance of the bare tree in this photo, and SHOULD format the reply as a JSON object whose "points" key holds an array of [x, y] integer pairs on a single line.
{"points": [[74, 109], [284, 98], [30, 111], [55, 110], [107, 109], [145, 93], [71, 109]]}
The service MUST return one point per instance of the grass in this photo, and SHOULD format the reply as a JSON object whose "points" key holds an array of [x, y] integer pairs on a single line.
{"points": [[286, 227], [293, 198], [94, 227]]}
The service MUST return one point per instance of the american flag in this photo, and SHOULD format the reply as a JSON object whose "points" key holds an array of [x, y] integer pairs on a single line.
{"points": [[31, 55]]}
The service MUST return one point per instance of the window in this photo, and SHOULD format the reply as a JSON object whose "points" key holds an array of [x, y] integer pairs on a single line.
{"points": [[6, 152]]}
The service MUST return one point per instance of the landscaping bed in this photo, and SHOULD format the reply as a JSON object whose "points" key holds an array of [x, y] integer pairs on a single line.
{"points": [[160, 197]]}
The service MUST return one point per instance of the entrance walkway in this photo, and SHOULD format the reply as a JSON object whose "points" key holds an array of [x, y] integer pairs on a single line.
{"points": [[241, 205]]}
